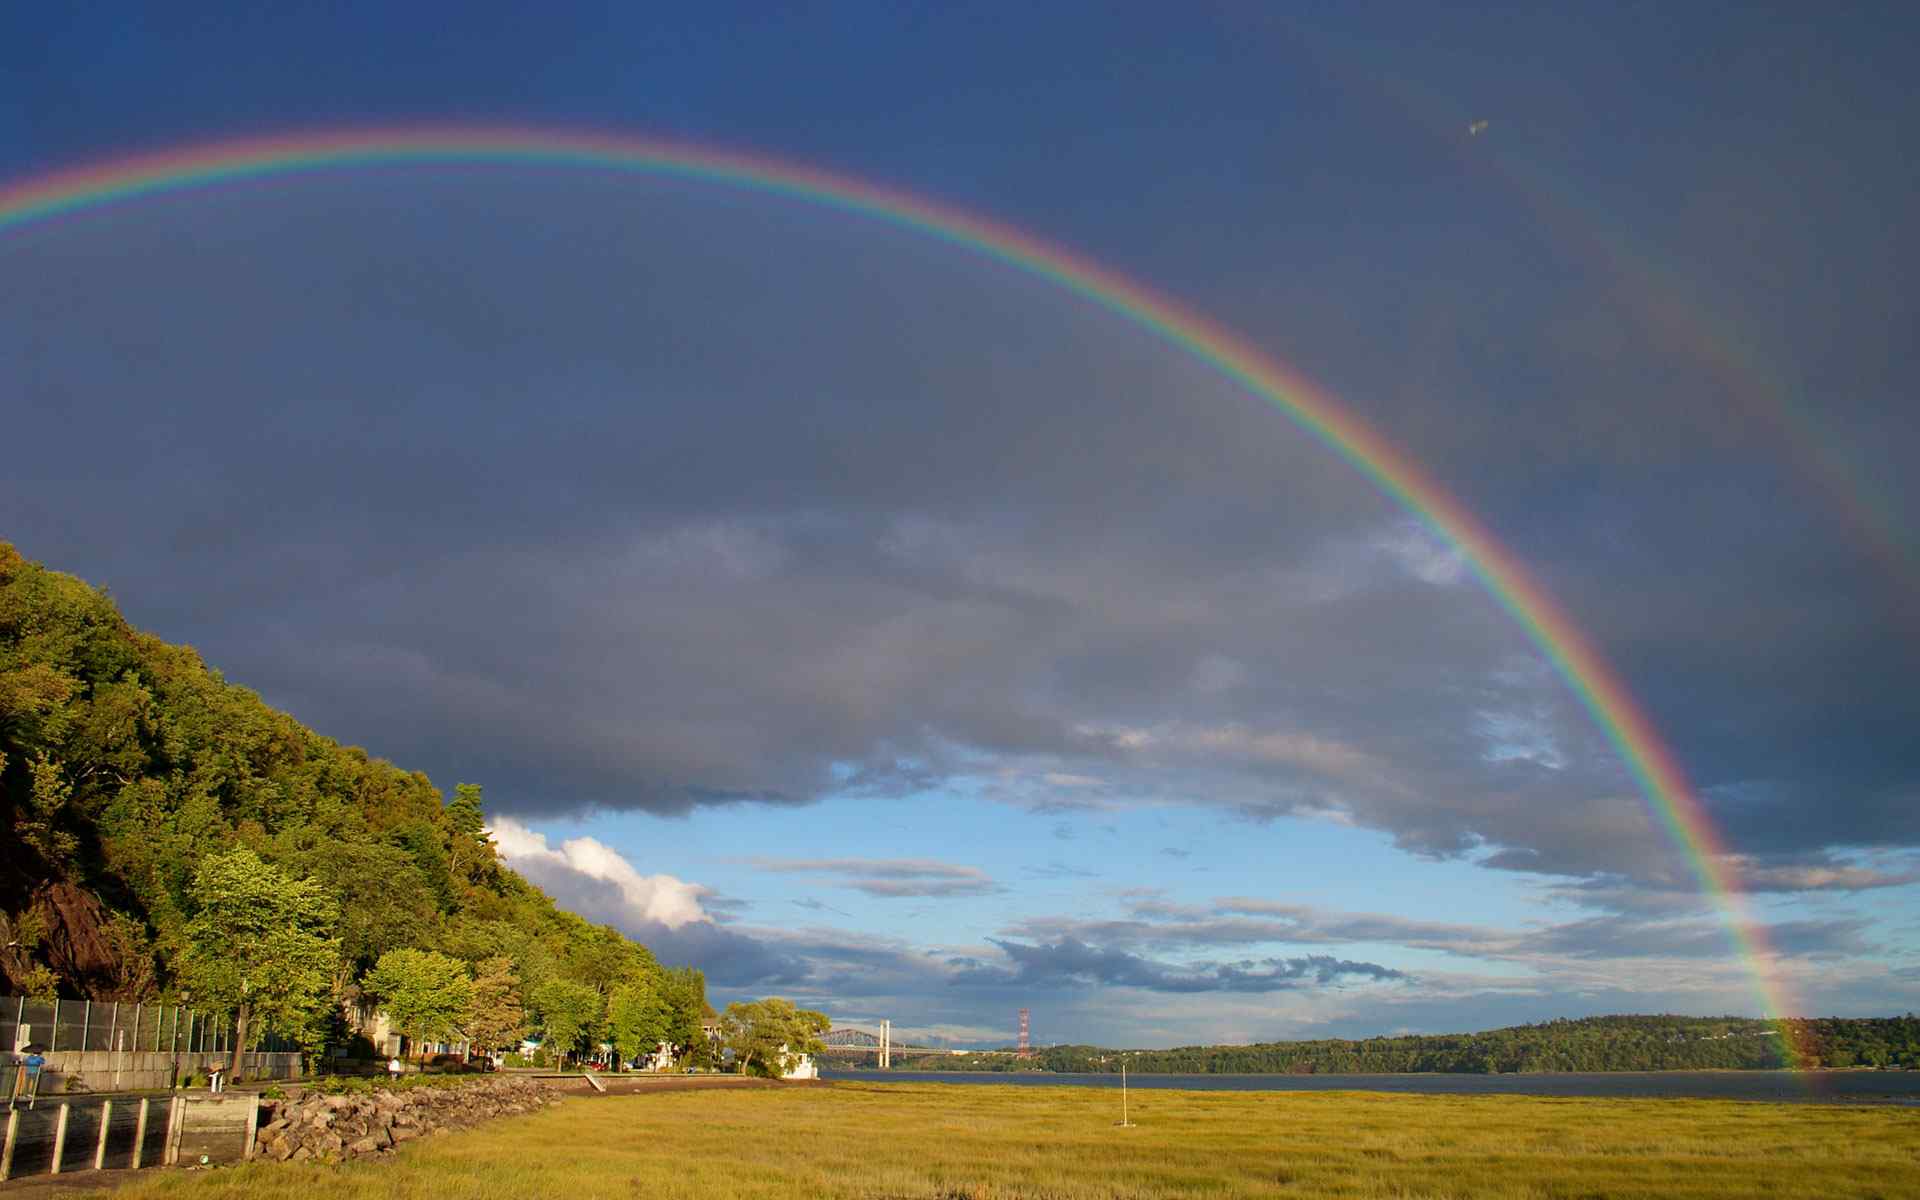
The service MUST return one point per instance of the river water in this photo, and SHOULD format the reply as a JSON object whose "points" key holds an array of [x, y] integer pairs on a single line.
{"points": [[1881, 1087]]}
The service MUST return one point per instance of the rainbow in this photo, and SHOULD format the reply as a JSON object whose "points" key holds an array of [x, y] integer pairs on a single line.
{"points": [[1656, 770], [1674, 314]]}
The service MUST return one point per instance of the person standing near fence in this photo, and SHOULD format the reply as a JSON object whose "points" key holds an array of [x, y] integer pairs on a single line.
{"points": [[30, 1075]]}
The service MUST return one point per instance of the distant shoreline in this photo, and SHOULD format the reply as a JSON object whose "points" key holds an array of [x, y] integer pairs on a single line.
{"points": [[1776, 1085]]}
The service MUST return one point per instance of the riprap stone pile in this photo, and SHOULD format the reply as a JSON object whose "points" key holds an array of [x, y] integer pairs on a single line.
{"points": [[333, 1128]]}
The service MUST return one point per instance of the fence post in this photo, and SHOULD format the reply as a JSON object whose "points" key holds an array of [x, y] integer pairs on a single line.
{"points": [[60, 1134], [176, 1125], [253, 1124], [100, 1147], [139, 1135], [86, 1023], [6, 1153], [53, 1038]]}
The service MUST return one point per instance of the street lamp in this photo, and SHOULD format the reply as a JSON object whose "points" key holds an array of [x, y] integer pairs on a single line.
{"points": [[173, 1079]]}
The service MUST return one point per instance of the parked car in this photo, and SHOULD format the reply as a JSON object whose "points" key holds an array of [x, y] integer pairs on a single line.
{"points": [[454, 1063]]}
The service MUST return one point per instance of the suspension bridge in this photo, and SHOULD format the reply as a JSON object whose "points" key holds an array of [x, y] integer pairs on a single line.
{"points": [[855, 1042]]}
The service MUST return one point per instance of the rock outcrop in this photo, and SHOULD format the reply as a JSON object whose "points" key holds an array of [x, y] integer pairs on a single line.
{"points": [[334, 1128]]}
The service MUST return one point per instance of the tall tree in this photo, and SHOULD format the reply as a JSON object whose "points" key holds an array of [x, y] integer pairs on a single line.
{"points": [[684, 989], [496, 1017], [636, 1016], [767, 1037], [425, 994], [568, 1012], [259, 947], [384, 904], [467, 844]]}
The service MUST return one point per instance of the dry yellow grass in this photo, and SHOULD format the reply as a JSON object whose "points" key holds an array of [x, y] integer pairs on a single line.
{"points": [[921, 1142]]}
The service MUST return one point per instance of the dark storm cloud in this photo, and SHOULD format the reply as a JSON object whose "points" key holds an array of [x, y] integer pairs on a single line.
{"points": [[1794, 873], [1059, 870], [1625, 937], [813, 905], [1244, 921], [626, 494], [1070, 962], [890, 878]]}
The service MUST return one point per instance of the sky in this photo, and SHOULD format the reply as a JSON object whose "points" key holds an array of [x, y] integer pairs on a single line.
{"points": [[866, 621]]}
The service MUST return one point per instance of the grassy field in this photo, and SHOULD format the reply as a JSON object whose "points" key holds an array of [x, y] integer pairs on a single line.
{"points": [[904, 1142]]}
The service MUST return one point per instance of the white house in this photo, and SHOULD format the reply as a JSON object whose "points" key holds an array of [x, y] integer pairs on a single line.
{"points": [[660, 1060], [798, 1066]]}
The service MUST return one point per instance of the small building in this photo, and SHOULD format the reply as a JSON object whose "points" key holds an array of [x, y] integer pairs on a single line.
{"points": [[798, 1066]]}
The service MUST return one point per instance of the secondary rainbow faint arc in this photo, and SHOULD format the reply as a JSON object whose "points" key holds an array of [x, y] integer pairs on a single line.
{"points": [[1314, 409]]}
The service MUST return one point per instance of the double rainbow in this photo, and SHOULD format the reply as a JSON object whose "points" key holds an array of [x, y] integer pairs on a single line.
{"points": [[1599, 688]]}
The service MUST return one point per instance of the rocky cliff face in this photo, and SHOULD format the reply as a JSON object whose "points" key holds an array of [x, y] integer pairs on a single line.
{"points": [[334, 1128], [67, 937]]}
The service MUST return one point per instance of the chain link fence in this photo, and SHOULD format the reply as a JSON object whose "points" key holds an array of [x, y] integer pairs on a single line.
{"points": [[110, 1025]]}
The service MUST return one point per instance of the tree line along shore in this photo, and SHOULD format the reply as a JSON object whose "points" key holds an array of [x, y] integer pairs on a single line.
{"points": [[1611, 1043]]}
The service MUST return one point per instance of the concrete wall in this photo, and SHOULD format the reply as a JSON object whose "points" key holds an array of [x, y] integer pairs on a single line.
{"points": [[127, 1071]]}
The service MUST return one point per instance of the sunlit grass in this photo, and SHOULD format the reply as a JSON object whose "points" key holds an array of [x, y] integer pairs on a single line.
{"points": [[918, 1142]]}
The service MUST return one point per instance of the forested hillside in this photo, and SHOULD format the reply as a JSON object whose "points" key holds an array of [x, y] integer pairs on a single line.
{"points": [[1617, 1043], [138, 787]]}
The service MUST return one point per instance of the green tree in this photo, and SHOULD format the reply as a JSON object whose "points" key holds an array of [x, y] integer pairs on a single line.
{"points": [[467, 844], [496, 1017], [259, 947], [636, 1016], [40, 825], [767, 1037], [568, 1011], [384, 904], [684, 989], [426, 995]]}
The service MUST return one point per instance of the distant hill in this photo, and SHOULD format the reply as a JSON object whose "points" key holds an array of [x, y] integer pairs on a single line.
{"points": [[1619, 1043], [124, 760]]}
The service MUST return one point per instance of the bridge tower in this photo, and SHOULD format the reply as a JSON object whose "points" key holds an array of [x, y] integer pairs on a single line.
{"points": [[886, 1044], [1026, 1047]]}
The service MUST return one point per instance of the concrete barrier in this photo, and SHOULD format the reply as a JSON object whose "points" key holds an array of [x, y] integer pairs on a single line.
{"points": [[136, 1071]]}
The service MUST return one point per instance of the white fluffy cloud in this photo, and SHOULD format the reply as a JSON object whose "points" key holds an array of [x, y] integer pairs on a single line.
{"points": [[652, 899]]}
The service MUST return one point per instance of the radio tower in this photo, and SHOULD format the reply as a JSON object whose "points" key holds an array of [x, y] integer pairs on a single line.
{"points": [[1026, 1047]]}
